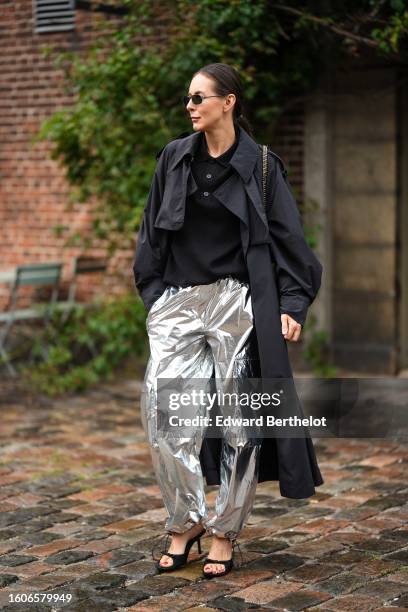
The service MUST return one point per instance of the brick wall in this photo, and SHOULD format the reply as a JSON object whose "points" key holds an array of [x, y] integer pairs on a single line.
{"points": [[33, 192], [288, 143]]}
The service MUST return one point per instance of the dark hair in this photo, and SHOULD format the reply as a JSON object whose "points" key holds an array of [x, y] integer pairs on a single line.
{"points": [[226, 81]]}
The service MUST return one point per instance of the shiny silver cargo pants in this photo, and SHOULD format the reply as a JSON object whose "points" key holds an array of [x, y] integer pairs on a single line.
{"points": [[191, 331]]}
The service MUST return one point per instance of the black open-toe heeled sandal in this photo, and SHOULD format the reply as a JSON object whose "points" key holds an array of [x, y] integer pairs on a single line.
{"points": [[179, 560], [228, 564]]}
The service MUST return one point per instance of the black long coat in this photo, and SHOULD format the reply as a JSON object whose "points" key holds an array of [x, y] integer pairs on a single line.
{"points": [[284, 277]]}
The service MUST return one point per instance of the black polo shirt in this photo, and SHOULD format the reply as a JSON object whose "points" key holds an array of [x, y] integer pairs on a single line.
{"points": [[208, 246]]}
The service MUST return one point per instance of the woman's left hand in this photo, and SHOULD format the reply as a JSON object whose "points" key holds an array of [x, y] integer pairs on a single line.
{"points": [[290, 328]]}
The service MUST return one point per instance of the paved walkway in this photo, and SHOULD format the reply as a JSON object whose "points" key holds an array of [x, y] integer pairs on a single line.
{"points": [[80, 512]]}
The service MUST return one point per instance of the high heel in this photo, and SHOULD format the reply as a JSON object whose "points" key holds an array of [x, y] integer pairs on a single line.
{"points": [[179, 560], [228, 563]]}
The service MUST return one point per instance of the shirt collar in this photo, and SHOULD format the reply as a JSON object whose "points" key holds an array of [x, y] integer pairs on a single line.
{"points": [[202, 153], [244, 158]]}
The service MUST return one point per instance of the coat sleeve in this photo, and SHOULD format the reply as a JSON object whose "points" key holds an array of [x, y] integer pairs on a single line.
{"points": [[148, 265], [298, 270]]}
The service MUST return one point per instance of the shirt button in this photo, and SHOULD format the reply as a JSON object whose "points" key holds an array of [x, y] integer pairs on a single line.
{"points": [[206, 193], [208, 176]]}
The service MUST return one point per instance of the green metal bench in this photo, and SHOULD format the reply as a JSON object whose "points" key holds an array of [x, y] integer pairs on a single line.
{"points": [[40, 274], [80, 265]]}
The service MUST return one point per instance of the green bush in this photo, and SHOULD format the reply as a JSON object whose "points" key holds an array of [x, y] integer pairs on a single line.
{"points": [[86, 346]]}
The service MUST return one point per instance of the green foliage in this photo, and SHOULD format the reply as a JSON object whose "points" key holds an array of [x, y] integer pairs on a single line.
{"points": [[87, 346], [317, 350], [312, 228], [390, 36]]}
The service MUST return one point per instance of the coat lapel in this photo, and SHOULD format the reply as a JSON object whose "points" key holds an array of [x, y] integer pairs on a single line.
{"points": [[259, 233], [180, 183], [232, 196]]}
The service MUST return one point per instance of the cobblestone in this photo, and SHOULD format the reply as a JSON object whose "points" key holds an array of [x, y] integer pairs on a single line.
{"points": [[81, 513]]}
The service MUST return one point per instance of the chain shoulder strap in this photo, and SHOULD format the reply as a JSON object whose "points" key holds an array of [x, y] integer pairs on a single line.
{"points": [[265, 151], [264, 172]]}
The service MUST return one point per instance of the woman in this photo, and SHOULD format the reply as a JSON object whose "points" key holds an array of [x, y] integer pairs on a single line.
{"points": [[225, 285]]}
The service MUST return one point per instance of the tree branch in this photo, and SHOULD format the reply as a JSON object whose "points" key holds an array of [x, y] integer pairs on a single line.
{"points": [[323, 22]]}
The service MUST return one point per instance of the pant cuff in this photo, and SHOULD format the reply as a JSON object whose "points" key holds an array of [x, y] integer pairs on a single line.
{"points": [[229, 535], [182, 528]]}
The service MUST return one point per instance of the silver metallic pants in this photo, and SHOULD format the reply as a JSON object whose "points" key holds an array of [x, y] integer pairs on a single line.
{"points": [[193, 330]]}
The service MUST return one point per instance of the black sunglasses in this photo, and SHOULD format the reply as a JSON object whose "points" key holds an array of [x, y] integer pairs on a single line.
{"points": [[197, 98]]}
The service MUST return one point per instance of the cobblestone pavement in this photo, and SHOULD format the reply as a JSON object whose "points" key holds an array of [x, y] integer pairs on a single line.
{"points": [[80, 513]]}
